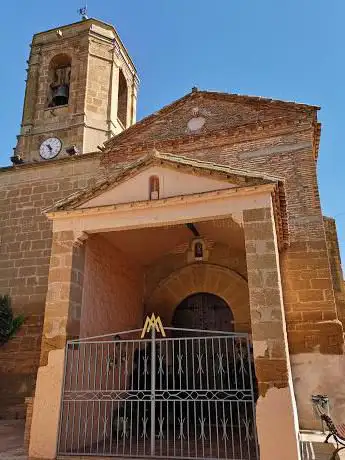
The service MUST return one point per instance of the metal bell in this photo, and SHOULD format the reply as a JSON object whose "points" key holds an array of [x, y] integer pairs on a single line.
{"points": [[61, 94]]}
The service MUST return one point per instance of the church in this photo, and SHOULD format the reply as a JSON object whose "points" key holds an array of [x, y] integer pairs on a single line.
{"points": [[182, 291]]}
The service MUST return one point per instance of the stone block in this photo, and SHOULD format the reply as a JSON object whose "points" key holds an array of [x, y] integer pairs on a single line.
{"points": [[311, 295], [265, 262], [258, 231], [267, 330], [273, 371], [256, 215]]}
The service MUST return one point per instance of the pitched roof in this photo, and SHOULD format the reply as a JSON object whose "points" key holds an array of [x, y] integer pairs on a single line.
{"points": [[241, 177], [230, 97]]}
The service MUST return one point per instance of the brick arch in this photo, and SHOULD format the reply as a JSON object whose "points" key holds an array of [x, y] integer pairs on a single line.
{"points": [[191, 279]]}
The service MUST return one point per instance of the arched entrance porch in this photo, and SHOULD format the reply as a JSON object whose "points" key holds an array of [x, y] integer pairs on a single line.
{"points": [[267, 331]]}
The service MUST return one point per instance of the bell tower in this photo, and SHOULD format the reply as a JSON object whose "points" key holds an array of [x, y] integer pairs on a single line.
{"points": [[81, 90]]}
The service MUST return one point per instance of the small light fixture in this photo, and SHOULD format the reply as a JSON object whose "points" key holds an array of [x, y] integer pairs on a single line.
{"points": [[320, 402], [101, 147], [16, 159], [73, 150]]}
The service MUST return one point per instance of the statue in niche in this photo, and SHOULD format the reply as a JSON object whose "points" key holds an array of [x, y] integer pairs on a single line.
{"points": [[154, 188], [198, 250]]}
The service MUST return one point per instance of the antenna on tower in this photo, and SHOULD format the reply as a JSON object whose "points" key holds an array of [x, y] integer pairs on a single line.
{"points": [[83, 12]]}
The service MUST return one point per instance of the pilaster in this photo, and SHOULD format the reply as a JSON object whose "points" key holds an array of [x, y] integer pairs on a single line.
{"points": [[276, 409], [62, 321]]}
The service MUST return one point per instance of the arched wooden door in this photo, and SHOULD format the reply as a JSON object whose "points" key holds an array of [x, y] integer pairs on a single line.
{"points": [[204, 311]]}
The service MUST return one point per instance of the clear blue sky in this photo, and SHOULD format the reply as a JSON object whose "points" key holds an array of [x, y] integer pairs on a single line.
{"points": [[285, 49]]}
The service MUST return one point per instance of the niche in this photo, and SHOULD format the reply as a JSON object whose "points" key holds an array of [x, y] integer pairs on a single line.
{"points": [[59, 80], [154, 188]]}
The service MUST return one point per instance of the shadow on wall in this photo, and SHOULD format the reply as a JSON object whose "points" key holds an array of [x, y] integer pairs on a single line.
{"points": [[316, 373]]}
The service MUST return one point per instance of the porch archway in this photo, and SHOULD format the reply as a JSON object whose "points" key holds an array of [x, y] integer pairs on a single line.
{"points": [[196, 278]]}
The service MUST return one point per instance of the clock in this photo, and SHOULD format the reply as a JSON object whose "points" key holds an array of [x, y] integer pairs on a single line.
{"points": [[50, 148]]}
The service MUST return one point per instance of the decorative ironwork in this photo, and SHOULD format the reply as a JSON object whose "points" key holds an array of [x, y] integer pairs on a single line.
{"points": [[181, 431], [185, 394], [154, 323], [202, 428], [224, 423], [200, 369]]}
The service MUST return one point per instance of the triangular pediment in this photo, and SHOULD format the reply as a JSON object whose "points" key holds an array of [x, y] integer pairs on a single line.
{"points": [[171, 183], [177, 176], [204, 112]]}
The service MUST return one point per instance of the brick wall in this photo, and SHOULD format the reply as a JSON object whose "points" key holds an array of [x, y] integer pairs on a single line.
{"points": [[24, 262], [219, 112], [113, 290], [283, 149]]}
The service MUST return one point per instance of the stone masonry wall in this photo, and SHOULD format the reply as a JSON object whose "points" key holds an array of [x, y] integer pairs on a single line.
{"points": [[26, 238], [66, 122], [336, 269], [90, 117]]}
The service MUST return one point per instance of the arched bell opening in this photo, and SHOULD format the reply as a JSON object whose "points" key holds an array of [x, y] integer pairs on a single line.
{"points": [[59, 80], [122, 99]]}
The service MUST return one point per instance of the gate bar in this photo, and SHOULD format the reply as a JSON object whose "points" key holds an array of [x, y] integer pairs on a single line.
{"points": [[153, 391]]}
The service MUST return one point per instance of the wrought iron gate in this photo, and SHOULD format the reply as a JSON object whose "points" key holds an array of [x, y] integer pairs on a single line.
{"points": [[188, 395]]}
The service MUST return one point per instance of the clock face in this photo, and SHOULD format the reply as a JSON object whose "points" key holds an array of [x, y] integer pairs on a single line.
{"points": [[50, 148]]}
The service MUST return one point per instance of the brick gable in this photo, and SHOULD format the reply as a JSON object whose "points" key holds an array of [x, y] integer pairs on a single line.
{"points": [[205, 112], [284, 142]]}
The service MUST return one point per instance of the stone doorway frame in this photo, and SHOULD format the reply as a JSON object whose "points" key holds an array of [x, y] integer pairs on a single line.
{"points": [[254, 209], [206, 277]]}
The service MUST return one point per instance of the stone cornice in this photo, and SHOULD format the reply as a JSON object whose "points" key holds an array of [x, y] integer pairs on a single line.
{"points": [[195, 197], [238, 176], [48, 163], [170, 211]]}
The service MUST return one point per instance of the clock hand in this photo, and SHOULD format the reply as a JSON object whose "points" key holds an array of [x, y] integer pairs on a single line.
{"points": [[49, 147]]}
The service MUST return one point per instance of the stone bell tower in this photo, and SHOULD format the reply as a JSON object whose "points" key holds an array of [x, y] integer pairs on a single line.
{"points": [[81, 90]]}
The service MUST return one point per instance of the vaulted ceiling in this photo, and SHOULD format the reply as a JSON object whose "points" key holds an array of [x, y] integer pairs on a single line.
{"points": [[147, 245]]}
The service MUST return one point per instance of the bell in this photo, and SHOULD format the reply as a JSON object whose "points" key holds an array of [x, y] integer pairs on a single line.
{"points": [[61, 94]]}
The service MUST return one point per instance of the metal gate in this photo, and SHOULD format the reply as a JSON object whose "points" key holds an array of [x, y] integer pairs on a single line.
{"points": [[184, 394]]}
